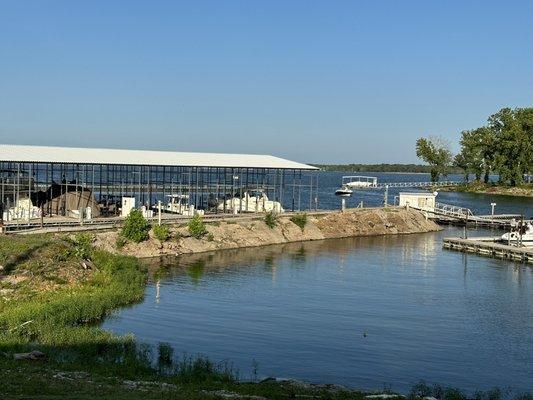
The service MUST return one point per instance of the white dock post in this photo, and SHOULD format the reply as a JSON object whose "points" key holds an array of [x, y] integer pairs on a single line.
{"points": [[159, 212], [343, 205]]}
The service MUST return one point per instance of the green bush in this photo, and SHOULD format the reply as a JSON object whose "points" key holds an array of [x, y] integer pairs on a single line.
{"points": [[271, 219], [210, 237], [161, 232], [196, 227], [83, 247], [120, 242], [300, 220], [135, 227]]}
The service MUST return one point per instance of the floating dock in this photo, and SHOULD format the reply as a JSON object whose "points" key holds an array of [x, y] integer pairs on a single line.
{"points": [[490, 247]]}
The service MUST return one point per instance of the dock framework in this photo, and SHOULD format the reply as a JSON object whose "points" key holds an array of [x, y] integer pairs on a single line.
{"points": [[57, 181], [490, 246]]}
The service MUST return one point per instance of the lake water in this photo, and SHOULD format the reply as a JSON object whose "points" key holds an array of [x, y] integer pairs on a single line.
{"points": [[302, 310], [328, 182], [363, 312]]}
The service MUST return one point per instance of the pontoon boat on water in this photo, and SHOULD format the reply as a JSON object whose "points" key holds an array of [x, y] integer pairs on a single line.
{"points": [[349, 183]]}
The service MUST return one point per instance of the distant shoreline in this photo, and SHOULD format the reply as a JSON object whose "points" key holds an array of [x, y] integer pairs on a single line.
{"points": [[381, 168], [381, 172]]}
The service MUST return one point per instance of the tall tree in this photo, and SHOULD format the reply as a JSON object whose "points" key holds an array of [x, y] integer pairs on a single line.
{"points": [[461, 161], [471, 159], [436, 153], [525, 119], [512, 130], [488, 148]]}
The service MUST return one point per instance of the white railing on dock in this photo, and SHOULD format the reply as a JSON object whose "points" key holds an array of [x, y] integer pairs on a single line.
{"points": [[416, 184], [453, 211]]}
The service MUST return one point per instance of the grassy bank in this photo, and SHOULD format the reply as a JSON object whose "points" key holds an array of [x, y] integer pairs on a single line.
{"points": [[55, 288], [525, 190]]}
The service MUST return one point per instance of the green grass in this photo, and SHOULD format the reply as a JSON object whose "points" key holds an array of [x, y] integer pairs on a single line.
{"points": [[62, 324], [60, 318]]}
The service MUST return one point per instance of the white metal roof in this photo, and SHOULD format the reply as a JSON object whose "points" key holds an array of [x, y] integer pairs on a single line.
{"points": [[47, 154]]}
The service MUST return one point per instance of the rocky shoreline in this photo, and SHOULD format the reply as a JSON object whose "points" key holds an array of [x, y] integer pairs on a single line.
{"points": [[230, 234]]}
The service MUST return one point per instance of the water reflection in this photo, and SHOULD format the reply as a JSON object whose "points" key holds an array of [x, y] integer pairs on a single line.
{"points": [[417, 247], [301, 310]]}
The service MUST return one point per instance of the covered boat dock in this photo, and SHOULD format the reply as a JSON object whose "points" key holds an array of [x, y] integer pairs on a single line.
{"points": [[42, 183]]}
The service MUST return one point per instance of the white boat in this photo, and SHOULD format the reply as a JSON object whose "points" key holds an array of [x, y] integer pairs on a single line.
{"points": [[344, 192], [251, 202], [179, 204], [353, 182], [522, 235]]}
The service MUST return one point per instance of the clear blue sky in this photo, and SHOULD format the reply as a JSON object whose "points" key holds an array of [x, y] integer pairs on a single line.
{"points": [[330, 81]]}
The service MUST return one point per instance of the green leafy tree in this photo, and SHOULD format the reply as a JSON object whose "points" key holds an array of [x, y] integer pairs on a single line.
{"points": [[461, 161], [436, 153], [525, 119], [471, 155], [136, 227], [513, 137], [485, 139]]}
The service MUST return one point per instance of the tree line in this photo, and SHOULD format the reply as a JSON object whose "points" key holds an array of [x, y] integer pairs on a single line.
{"points": [[405, 168], [503, 146]]}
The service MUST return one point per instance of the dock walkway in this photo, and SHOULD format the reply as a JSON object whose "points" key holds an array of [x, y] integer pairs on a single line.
{"points": [[450, 214], [489, 246]]}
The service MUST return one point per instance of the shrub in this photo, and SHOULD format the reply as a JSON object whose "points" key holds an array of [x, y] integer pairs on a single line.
{"points": [[210, 237], [120, 242], [271, 219], [196, 227], [161, 232], [300, 220], [135, 227], [83, 247]]}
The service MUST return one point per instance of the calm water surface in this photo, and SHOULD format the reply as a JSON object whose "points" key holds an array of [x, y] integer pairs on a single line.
{"points": [[328, 182], [302, 311]]}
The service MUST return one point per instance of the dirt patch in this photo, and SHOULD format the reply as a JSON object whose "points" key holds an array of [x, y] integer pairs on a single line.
{"points": [[231, 235]]}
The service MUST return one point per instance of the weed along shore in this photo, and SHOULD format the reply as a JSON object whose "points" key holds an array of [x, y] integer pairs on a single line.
{"points": [[55, 287], [271, 229]]}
